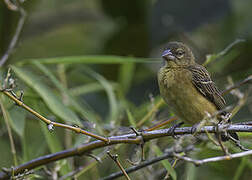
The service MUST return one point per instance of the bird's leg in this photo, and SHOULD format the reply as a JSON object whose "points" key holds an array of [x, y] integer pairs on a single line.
{"points": [[173, 127], [220, 139], [225, 121]]}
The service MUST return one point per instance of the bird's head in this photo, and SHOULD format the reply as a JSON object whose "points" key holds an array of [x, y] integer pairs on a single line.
{"points": [[177, 54]]}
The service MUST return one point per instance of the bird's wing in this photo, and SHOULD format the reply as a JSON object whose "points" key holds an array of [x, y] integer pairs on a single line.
{"points": [[203, 83]]}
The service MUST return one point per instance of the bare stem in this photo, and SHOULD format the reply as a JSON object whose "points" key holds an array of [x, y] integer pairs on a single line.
{"points": [[115, 158], [17, 32], [50, 123], [149, 114], [237, 85], [214, 159]]}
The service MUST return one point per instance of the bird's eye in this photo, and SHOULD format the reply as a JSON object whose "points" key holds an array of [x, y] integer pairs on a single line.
{"points": [[180, 53]]}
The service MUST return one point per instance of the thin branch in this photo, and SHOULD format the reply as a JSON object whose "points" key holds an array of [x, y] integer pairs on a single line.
{"points": [[17, 32], [163, 123], [149, 114], [131, 138], [237, 85], [72, 173], [79, 169], [248, 123], [115, 158], [214, 159], [50, 123], [147, 163]]}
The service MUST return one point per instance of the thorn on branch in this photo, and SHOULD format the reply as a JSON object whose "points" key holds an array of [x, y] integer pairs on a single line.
{"points": [[133, 163], [98, 159], [135, 131], [172, 129], [21, 96], [114, 157], [141, 144]]}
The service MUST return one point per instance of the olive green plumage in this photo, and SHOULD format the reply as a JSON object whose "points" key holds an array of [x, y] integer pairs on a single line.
{"points": [[187, 86]]}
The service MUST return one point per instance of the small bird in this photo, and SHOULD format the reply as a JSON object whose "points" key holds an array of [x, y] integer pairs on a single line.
{"points": [[187, 86]]}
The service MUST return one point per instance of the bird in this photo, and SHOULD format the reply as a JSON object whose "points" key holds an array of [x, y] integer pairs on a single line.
{"points": [[187, 87]]}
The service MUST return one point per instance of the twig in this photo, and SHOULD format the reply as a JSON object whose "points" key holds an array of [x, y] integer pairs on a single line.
{"points": [[214, 159], [115, 158], [50, 123], [149, 114], [248, 123], [237, 85], [98, 159], [147, 163], [17, 32], [123, 139], [72, 173], [161, 124]]}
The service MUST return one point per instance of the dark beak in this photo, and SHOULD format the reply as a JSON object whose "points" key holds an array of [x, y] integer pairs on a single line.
{"points": [[167, 54]]}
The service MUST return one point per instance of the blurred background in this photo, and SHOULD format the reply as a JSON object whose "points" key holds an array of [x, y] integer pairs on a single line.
{"points": [[107, 92]]}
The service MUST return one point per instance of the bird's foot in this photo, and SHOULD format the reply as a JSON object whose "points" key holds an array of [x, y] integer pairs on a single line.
{"points": [[224, 135]]}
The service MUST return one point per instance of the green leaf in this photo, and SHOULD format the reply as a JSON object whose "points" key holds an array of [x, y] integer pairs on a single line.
{"points": [[166, 163], [89, 88], [52, 100], [91, 60], [110, 93], [17, 120], [241, 168], [81, 109], [131, 118], [126, 74], [54, 146], [51, 139]]}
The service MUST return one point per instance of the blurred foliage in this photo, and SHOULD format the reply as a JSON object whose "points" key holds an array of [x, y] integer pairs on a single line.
{"points": [[94, 63]]}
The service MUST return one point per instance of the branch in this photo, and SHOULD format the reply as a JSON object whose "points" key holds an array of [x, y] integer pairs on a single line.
{"points": [[17, 32], [214, 159], [237, 85], [50, 124], [131, 138], [147, 163]]}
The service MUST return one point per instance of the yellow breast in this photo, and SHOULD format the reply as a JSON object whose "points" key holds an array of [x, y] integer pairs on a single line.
{"points": [[183, 98]]}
